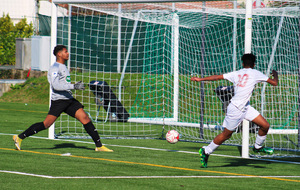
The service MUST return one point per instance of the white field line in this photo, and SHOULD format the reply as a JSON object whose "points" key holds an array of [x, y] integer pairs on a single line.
{"points": [[158, 149], [135, 177]]}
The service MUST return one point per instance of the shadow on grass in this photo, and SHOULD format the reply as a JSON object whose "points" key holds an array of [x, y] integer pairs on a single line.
{"points": [[65, 145], [69, 145], [246, 162]]}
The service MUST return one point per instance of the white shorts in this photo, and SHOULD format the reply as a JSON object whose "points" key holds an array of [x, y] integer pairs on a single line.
{"points": [[234, 116]]}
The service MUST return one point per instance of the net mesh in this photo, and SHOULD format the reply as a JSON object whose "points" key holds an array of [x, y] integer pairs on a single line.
{"points": [[135, 49]]}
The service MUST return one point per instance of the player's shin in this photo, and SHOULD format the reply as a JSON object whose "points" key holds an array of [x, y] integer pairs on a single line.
{"points": [[259, 141], [92, 131], [33, 129]]}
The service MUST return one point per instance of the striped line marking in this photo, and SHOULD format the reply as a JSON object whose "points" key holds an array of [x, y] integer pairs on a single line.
{"points": [[158, 149], [132, 177], [157, 165]]}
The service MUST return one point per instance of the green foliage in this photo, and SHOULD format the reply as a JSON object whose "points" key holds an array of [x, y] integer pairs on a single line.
{"points": [[8, 34], [16, 86]]}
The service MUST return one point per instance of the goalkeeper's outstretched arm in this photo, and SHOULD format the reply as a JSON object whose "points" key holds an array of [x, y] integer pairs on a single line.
{"points": [[209, 78]]}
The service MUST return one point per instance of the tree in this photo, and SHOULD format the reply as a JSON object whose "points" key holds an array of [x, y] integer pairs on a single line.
{"points": [[8, 34]]}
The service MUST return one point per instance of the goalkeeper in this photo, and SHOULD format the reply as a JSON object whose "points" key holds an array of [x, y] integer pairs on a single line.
{"points": [[62, 101], [244, 81]]}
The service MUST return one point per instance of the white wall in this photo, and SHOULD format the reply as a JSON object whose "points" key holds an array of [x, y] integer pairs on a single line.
{"points": [[45, 9], [19, 9]]}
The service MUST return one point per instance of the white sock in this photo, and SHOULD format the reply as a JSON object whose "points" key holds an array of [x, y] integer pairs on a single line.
{"points": [[211, 148], [259, 141]]}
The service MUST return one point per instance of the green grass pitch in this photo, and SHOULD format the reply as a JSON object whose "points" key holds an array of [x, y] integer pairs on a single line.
{"points": [[134, 164]]}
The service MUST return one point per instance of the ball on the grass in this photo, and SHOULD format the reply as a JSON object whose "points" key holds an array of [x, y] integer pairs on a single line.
{"points": [[172, 136]]}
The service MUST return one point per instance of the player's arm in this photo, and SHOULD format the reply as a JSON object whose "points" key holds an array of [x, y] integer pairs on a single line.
{"points": [[273, 81], [209, 78]]}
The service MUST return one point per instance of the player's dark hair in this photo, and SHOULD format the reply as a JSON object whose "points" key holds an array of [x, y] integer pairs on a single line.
{"points": [[249, 59], [58, 48]]}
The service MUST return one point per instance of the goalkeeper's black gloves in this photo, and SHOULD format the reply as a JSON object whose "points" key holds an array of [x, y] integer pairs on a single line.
{"points": [[79, 86]]}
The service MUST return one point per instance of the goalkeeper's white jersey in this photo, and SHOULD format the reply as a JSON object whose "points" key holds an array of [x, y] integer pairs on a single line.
{"points": [[60, 82], [244, 81]]}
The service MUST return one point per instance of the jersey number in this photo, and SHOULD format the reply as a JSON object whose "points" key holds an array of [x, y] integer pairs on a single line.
{"points": [[243, 80]]}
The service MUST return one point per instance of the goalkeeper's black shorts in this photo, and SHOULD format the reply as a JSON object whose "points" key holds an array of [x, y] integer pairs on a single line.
{"points": [[68, 106]]}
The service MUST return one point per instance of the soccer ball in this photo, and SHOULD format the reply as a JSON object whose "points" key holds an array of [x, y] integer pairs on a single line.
{"points": [[172, 136]]}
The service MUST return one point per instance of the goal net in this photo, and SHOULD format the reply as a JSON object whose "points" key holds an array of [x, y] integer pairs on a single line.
{"points": [[137, 59]]}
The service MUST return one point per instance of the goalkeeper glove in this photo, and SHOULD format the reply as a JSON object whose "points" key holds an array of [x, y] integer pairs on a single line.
{"points": [[79, 86]]}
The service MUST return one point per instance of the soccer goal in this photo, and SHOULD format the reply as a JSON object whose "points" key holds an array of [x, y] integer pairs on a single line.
{"points": [[137, 57]]}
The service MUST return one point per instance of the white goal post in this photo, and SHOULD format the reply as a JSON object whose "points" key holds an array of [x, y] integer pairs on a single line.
{"points": [[146, 51]]}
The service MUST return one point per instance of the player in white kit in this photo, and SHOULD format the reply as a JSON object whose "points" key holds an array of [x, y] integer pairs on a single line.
{"points": [[244, 81]]}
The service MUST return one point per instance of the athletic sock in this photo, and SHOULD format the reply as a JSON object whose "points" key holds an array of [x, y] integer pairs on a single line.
{"points": [[33, 129], [92, 131], [259, 141], [211, 148]]}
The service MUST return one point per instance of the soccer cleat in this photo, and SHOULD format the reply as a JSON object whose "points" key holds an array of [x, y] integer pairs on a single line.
{"points": [[263, 149], [103, 149], [17, 141], [203, 157]]}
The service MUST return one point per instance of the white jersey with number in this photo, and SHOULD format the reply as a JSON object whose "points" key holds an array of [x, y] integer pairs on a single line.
{"points": [[244, 81]]}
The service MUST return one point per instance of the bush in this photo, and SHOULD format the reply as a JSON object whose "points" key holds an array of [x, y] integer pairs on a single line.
{"points": [[8, 34]]}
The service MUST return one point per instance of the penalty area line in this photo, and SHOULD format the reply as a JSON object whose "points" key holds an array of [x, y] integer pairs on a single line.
{"points": [[134, 177]]}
